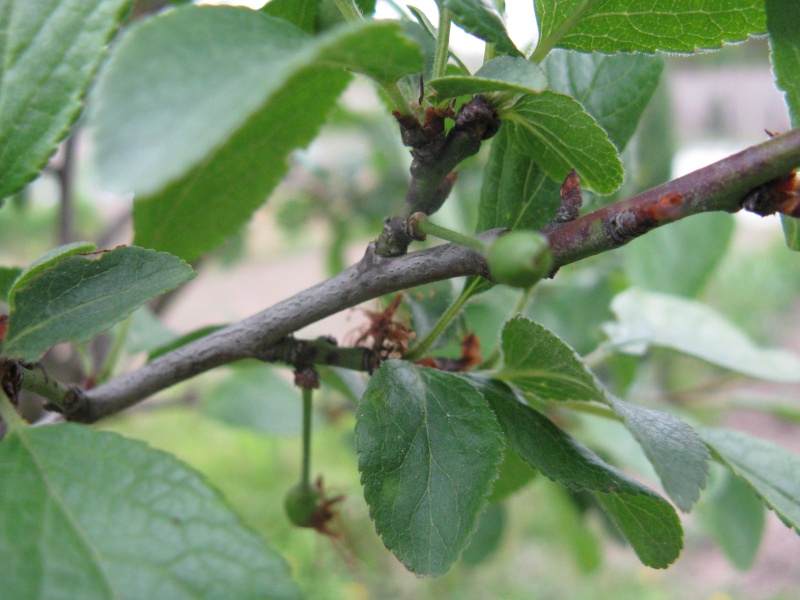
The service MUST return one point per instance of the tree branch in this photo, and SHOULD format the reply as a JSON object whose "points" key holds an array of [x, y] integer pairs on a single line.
{"points": [[724, 186]]}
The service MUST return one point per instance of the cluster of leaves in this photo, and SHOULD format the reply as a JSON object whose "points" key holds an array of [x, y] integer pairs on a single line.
{"points": [[196, 113]]}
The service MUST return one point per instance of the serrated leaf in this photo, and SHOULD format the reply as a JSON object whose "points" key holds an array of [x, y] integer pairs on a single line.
{"points": [[50, 50], [46, 261], [771, 472], [542, 366], [673, 448], [646, 520], [86, 294], [649, 319], [516, 193], [501, 74], [614, 89], [661, 25], [666, 261], [102, 516], [735, 517], [560, 135], [428, 447], [474, 17], [302, 13], [200, 169]]}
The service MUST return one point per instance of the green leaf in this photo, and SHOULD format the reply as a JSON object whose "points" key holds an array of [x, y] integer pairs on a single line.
{"points": [[771, 472], [559, 134], [649, 319], [501, 74], [103, 516], [542, 366], [673, 448], [255, 397], [735, 517], [512, 475], [7, 277], [614, 89], [487, 537], [791, 231], [669, 260], [516, 193], [265, 86], [474, 17], [567, 517], [46, 261], [783, 23], [646, 520], [50, 50], [302, 13], [86, 294], [428, 448], [667, 25]]}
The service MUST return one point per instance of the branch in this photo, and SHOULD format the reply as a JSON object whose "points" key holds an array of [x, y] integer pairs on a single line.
{"points": [[724, 186]]}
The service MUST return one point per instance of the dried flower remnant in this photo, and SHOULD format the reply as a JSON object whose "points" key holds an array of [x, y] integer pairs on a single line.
{"points": [[389, 336]]}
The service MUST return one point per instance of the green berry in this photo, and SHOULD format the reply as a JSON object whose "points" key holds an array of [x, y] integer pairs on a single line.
{"points": [[519, 258], [301, 503]]}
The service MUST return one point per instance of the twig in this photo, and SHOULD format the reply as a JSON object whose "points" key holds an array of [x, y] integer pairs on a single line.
{"points": [[721, 186]]}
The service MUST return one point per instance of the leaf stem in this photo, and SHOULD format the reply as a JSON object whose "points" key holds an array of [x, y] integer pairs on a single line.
{"points": [[397, 98], [116, 348], [421, 225], [349, 10], [452, 311], [442, 44], [305, 474]]}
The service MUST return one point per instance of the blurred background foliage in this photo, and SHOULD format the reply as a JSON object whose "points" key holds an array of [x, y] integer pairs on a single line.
{"points": [[239, 425]]}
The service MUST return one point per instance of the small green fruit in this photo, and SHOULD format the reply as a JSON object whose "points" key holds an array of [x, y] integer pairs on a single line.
{"points": [[301, 503], [519, 258]]}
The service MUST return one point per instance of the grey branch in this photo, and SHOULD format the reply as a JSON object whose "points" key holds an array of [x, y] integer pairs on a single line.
{"points": [[721, 186]]}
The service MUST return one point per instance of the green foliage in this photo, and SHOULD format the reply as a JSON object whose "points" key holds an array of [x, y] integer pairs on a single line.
{"points": [[501, 74], [667, 261], [673, 448], [647, 319], [560, 135], [615, 89], [85, 294], [782, 24], [646, 520], [199, 185], [416, 429], [769, 470], [50, 51], [667, 25], [199, 112], [71, 487], [544, 367], [735, 516], [474, 17]]}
